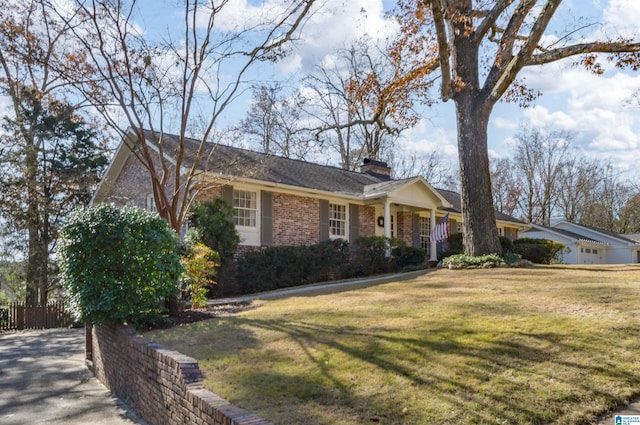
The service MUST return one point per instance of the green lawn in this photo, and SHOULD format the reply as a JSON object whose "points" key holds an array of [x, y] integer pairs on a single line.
{"points": [[554, 344]]}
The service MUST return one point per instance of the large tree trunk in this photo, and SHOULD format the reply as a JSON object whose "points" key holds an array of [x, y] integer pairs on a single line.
{"points": [[473, 109], [478, 214]]}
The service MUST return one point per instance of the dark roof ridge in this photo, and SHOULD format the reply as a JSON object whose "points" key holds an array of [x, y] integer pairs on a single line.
{"points": [[268, 155], [606, 232]]}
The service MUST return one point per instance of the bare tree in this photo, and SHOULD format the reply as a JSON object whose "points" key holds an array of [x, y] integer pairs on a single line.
{"points": [[273, 123], [431, 166], [539, 160], [605, 206], [182, 82], [505, 187], [482, 46], [629, 221], [578, 180], [358, 105]]}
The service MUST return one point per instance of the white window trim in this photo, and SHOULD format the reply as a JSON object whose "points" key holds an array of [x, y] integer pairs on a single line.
{"points": [[424, 237], [256, 210], [249, 235], [346, 221]]}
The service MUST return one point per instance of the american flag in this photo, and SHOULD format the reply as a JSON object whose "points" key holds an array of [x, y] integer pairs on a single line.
{"points": [[441, 231]]}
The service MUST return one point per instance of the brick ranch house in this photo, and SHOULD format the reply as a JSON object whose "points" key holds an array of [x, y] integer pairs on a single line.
{"points": [[281, 201]]}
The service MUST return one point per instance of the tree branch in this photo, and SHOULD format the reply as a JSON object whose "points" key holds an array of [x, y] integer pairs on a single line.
{"points": [[501, 80], [490, 19], [582, 48], [444, 51]]}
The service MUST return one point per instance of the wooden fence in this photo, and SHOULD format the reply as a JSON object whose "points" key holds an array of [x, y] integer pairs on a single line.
{"points": [[19, 316]]}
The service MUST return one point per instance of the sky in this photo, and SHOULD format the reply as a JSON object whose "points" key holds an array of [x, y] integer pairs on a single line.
{"points": [[596, 110]]}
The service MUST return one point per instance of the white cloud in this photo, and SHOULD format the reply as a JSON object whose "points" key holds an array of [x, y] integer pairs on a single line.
{"points": [[596, 108], [334, 26], [423, 138], [541, 117], [505, 123], [621, 18]]}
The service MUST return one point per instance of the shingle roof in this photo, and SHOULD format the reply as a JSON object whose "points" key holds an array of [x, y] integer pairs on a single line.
{"points": [[608, 233], [232, 161], [385, 186], [238, 162], [456, 203], [568, 233]]}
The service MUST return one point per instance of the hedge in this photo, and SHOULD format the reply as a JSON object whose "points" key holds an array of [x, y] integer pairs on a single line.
{"points": [[285, 266], [541, 251]]}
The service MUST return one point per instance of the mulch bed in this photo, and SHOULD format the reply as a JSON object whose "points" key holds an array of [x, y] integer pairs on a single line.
{"points": [[198, 315]]}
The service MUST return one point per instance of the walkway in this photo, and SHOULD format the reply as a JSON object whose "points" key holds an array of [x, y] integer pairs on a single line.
{"points": [[321, 288], [44, 380]]}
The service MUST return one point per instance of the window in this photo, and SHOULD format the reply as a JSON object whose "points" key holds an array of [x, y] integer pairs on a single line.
{"points": [[337, 220], [151, 203], [595, 251], [425, 230], [587, 250], [245, 208]]}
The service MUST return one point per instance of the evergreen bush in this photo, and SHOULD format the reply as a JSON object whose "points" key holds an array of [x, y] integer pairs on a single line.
{"points": [[541, 251], [117, 265], [369, 256], [212, 224], [408, 257]]}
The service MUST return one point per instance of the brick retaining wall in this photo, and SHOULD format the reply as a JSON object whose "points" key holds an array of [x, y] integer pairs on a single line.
{"points": [[162, 385]]}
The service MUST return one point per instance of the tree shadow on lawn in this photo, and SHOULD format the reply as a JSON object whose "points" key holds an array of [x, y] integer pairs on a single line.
{"points": [[485, 382]]}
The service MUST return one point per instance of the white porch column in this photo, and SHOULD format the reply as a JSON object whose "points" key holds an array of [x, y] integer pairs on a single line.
{"points": [[387, 219], [433, 245], [387, 224]]}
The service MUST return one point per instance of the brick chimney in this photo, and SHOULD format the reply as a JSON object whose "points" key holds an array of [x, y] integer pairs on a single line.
{"points": [[375, 168]]}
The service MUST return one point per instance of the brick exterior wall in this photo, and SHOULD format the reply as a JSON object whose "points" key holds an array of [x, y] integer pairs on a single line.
{"points": [[132, 185], [296, 220], [164, 386], [367, 221], [210, 193], [405, 227]]}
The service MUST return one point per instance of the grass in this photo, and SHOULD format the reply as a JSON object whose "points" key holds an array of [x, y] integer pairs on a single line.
{"points": [[542, 345]]}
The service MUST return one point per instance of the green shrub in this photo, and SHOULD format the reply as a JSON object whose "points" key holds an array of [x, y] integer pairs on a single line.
{"points": [[369, 256], [408, 256], [453, 246], [200, 270], [506, 243], [4, 309], [455, 242], [4, 299], [540, 251], [511, 257], [118, 265], [467, 260], [328, 260], [285, 266], [212, 224]]}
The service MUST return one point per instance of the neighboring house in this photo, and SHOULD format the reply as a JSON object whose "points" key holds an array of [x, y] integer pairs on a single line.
{"points": [[280, 201], [632, 236], [588, 245]]}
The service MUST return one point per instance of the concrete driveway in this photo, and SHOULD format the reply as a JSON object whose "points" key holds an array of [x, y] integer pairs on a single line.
{"points": [[44, 380]]}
